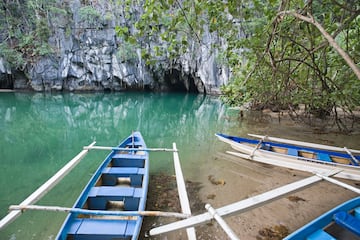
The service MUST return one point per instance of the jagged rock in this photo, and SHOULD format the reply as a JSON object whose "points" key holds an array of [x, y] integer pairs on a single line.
{"points": [[45, 75], [87, 58], [5, 75]]}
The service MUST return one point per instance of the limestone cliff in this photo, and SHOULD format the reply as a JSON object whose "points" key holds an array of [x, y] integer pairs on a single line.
{"points": [[88, 55]]}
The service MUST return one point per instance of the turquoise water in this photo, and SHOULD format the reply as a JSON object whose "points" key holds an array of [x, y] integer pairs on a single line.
{"points": [[41, 132]]}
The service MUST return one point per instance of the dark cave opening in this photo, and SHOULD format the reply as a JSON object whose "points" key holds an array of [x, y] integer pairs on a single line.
{"points": [[6, 81], [175, 81]]}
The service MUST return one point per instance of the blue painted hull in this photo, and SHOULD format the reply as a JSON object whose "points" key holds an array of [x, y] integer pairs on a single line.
{"points": [[299, 152], [298, 157], [119, 184], [333, 224]]}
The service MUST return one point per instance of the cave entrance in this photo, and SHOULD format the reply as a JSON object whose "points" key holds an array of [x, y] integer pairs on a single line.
{"points": [[6, 81], [175, 81]]}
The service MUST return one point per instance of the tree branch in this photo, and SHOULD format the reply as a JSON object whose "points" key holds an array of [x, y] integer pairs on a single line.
{"points": [[310, 19]]}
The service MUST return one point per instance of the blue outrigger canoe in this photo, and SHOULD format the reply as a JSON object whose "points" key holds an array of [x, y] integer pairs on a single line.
{"points": [[342, 222], [119, 184], [307, 157]]}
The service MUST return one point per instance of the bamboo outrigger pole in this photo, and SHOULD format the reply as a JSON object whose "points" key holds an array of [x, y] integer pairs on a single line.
{"points": [[339, 183], [130, 149], [305, 144], [221, 222], [43, 189], [184, 200], [241, 206], [99, 212]]}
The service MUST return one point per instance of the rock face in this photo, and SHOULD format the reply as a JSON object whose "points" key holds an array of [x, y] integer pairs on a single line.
{"points": [[89, 56]]}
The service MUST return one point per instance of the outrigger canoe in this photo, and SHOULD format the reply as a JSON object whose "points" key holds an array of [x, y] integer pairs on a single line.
{"points": [[119, 184], [342, 222], [297, 155]]}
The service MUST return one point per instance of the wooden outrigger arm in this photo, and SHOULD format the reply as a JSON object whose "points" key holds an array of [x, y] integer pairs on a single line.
{"points": [[46, 187], [131, 149], [305, 144], [243, 205], [100, 212], [183, 197]]}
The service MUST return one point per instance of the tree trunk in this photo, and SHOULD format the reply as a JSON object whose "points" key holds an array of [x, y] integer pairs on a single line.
{"points": [[310, 19]]}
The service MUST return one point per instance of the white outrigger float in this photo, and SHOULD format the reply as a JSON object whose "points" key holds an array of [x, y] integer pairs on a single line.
{"points": [[297, 155], [250, 203]]}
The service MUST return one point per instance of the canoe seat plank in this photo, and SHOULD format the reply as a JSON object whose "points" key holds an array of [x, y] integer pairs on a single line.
{"points": [[348, 221], [324, 157], [124, 170], [320, 234], [100, 229], [128, 160], [99, 197], [265, 146], [293, 152], [111, 174]]}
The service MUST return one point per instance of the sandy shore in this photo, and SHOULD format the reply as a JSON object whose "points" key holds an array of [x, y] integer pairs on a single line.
{"points": [[245, 179], [231, 179], [227, 179]]}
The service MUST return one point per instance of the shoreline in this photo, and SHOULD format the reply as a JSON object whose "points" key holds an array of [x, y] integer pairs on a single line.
{"points": [[3, 90], [245, 179]]}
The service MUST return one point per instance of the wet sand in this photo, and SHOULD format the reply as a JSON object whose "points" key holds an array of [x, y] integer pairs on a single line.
{"points": [[230, 179]]}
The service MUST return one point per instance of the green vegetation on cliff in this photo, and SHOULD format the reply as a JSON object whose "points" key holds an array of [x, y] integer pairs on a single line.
{"points": [[25, 29], [282, 54]]}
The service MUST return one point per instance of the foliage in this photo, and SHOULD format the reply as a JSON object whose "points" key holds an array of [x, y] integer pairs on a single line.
{"points": [[126, 52], [25, 30], [89, 14], [277, 61], [295, 65]]}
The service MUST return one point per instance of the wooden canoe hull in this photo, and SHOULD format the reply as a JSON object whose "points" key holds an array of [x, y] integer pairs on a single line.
{"points": [[324, 226], [294, 157], [119, 184]]}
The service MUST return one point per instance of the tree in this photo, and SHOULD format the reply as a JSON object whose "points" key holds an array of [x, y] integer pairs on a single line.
{"points": [[277, 61], [25, 30], [307, 59]]}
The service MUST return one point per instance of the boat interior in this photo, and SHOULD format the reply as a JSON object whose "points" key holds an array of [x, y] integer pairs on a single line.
{"points": [[345, 226], [119, 187]]}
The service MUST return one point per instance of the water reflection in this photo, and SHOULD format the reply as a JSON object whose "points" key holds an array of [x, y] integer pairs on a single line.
{"points": [[104, 115], [41, 132]]}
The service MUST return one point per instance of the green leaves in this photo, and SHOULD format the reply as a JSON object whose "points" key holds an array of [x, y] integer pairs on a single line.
{"points": [[26, 31], [89, 14], [122, 31]]}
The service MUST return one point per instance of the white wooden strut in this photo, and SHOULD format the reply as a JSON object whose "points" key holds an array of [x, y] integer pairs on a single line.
{"points": [[221, 222], [241, 206], [184, 200], [305, 144], [339, 183], [46, 187]]}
